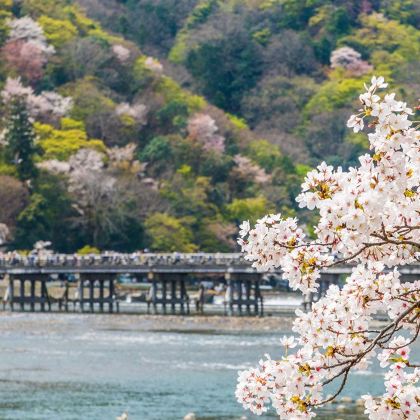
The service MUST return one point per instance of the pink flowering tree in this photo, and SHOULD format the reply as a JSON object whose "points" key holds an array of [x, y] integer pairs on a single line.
{"points": [[202, 129], [25, 58], [370, 217], [350, 60], [26, 50], [248, 170]]}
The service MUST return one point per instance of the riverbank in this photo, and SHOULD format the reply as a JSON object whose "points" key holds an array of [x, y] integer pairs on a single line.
{"points": [[150, 323], [153, 323]]}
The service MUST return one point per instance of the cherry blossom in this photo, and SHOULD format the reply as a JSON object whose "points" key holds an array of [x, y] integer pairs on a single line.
{"points": [[288, 342], [247, 169], [26, 58], [351, 60], [369, 216], [28, 30], [137, 111], [153, 65], [4, 233], [54, 166], [202, 128], [47, 104], [121, 52]]}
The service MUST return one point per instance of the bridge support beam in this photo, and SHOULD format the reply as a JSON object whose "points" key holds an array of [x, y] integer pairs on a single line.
{"points": [[173, 292], [95, 295], [24, 299], [244, 290]]}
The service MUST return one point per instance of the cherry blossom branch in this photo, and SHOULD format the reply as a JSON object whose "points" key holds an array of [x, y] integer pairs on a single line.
{"points": [[362, 354], [368, 217]]}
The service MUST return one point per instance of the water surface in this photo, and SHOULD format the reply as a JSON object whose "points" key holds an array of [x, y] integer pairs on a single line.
{"points": [[89, 367]]}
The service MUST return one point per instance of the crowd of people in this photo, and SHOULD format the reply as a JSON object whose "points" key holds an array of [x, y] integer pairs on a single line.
{"points": [[42, 256]]}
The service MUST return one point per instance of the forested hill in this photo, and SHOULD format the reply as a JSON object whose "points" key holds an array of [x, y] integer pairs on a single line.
{"points": [[164, 123], [100, 148], [290, 68]]}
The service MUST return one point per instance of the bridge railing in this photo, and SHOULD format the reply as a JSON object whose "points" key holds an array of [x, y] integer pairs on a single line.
{"points": [[110, 258], [144, 262]]}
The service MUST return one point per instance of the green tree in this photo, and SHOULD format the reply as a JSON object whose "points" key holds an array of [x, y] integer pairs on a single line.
{"points": [[20, 139], [248, 208], [167, 233], [47, 217], [159, 148], [264, 153], [226, 70]]}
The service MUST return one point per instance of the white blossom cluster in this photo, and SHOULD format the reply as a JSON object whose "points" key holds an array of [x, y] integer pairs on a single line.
{"points": [[27, 30], [153, 65], [136, 111], [125, 158], [369, 215], [248, 169], [83, 160], [335, 336], [122, 154], [351, 60], [46, 104], [88, 180], [203, 129], [122, 53], [4, 233], [401, 399]]}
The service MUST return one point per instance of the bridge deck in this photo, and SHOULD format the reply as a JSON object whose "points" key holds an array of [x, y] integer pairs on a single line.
{"points": [[166, 274], [140, 263]]}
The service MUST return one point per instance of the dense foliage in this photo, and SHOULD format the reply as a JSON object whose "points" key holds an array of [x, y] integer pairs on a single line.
{"points": [[290, 68], [161, 124]]}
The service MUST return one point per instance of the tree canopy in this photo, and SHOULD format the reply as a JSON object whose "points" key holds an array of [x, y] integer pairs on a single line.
{"points": [[194, 113]]}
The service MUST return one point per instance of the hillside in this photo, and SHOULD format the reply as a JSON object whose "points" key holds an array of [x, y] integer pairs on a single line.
{"points": [[291, 68], [101, 148], [162, 124]]}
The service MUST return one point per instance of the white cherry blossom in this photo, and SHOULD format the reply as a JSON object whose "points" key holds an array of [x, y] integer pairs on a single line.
{"points": [[369, 216]]}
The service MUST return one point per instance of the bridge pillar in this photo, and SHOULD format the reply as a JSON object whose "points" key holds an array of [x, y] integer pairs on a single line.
{"points": [[100, 281], [32, 295], [184, 297], [81, 294], [238, 284], [22, 294], [11, 291], [229, 294], [164, 295], [170, 295], [101, 296], [65, 299], [92, 295], [243, 289], [248, 297], [44, 295], [173, 296], [112, 295], [25, 299], [258, 299]]}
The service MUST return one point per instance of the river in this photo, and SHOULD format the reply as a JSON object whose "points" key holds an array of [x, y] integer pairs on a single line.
{"points": [[68, 366]]}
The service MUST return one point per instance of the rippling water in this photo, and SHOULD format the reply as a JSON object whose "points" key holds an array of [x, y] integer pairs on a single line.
{"points": [[73, 367]]}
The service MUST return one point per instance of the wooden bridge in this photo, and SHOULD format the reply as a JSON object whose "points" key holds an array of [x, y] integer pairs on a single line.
{"points": [[89, 283]]}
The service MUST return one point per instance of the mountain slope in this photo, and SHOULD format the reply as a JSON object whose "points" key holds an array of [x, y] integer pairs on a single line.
{"points": [[118, 155], [290, 68]]}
